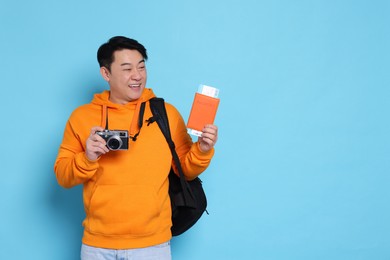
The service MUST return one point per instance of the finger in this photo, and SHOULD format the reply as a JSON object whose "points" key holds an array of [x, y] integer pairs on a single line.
{"points": [[95, 141], [96, 129], [210, 126], [97, 147], [210, 142], [100, 143], [101, 149], [206, 135], [210, 134], [95, 137], [212, 129], [209, 139], [98, 138]]}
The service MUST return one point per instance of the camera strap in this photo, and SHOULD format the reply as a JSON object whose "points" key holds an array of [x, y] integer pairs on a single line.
{"points": [[140, 121]]}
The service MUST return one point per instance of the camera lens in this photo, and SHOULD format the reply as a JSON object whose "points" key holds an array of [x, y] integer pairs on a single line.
{"points": [[114, 143]]}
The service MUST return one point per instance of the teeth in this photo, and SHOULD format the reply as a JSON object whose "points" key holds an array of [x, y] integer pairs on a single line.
{"points": [[135, 85]]}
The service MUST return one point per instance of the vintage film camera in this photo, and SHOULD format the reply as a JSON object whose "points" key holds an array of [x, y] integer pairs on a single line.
{"points": [[115, 139]]}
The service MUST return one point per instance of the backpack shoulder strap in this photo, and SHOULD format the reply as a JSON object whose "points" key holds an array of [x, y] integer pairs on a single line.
{"points": [[157, 106]]}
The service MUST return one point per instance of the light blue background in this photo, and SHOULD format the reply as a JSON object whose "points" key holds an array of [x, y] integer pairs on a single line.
{"points": [[302, 164]]}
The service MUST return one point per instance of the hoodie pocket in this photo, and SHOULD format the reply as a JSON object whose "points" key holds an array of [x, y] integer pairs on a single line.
{"points": [[123, 210]]}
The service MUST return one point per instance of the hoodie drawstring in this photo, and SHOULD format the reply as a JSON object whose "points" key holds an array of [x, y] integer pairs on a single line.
{"points": [[104, 116]]}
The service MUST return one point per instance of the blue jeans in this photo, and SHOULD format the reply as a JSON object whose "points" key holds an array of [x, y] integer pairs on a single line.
{"points": [[158, 252]]}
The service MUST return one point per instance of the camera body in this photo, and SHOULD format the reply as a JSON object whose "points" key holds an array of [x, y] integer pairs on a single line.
{"points": [[115, 139]]}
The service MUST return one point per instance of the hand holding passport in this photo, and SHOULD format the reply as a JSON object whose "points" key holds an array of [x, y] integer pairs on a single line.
{"points": [[204, 109]]}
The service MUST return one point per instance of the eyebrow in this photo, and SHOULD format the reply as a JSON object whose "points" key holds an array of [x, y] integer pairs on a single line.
{"points": [[128, 63]]}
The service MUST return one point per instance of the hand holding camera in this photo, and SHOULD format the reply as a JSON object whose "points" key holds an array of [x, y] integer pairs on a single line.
{"points": [[101, 141], [96, 145]]}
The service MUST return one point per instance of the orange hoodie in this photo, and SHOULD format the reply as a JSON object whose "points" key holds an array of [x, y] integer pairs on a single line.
{"points": [[126, 192]]}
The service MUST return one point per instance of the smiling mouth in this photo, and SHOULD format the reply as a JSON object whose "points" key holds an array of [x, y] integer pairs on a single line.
{"points": [[135, 85]]}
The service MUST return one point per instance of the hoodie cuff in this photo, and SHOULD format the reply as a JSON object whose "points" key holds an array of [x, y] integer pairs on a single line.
{"points": [[87, 163]]}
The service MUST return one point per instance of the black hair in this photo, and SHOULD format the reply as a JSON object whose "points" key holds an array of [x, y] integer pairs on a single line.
{"points": [[105, 53]]}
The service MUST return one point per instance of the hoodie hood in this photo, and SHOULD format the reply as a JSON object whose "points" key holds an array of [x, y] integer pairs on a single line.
{"points": [[102, 99]]}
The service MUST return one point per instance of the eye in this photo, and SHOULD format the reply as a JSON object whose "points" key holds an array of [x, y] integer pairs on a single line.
{"points": [[141, 66]]}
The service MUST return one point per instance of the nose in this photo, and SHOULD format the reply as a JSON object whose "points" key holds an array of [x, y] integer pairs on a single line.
{"points": [[136, 75]]}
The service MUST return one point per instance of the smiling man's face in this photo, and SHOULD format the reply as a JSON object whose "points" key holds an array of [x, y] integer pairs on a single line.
{"points": [[126, 77]]}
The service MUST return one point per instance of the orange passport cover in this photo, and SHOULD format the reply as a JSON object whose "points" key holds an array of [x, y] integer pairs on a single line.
{"points": [[203, 111]]}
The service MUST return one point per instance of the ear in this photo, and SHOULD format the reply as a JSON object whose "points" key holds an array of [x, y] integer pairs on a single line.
{"points": [[105, 73]]}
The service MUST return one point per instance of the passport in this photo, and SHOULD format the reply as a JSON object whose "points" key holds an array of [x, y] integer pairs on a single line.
{"points": [[203, 111]]}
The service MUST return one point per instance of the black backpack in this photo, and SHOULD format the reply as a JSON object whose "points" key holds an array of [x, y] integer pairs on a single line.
{"points": [[188, 199]]}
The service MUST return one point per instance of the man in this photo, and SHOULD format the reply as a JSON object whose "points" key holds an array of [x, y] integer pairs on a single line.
{"points": [[125, 191]]}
